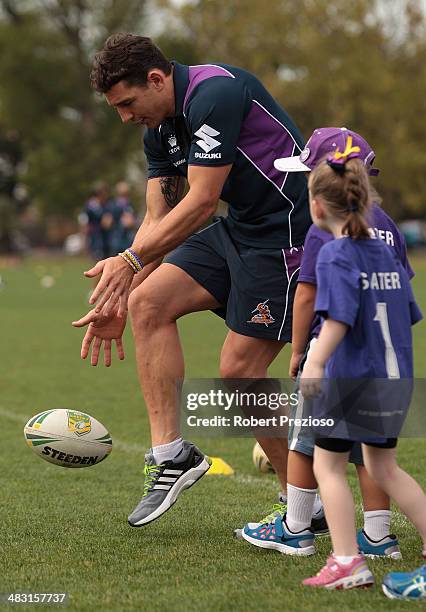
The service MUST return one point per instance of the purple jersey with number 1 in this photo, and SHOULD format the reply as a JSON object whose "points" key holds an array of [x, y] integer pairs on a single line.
{"points": [[363, 284], [383, 227]]}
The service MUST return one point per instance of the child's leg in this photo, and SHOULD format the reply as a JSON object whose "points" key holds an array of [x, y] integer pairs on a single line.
{"points": [[302, 473], [302, 491], [376, 504], [381, 464], [330, 471], [373, 496], [303, 502]]}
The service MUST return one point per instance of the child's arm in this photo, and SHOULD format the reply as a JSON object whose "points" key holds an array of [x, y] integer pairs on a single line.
{"points": [[331, 334], [303, 315]]}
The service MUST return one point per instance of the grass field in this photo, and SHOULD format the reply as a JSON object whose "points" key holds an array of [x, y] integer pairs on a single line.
{"points": [[66, 530]]}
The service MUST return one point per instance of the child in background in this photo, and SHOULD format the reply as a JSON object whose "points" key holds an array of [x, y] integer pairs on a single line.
{"points": [[364, 324], [125, 221], [99, 222]]}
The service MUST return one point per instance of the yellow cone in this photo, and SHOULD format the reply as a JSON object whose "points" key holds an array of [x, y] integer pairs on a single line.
{"points": [[219, 466]]}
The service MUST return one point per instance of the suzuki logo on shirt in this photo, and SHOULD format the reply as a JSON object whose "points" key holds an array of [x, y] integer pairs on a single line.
{"points": [[207, 141]]}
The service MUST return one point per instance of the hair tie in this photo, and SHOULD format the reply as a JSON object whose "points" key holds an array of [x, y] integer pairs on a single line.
{"points": [[352, 208], [337, 160]]}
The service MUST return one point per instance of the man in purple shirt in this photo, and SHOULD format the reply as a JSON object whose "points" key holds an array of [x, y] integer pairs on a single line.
{"points": [[216, 127]]}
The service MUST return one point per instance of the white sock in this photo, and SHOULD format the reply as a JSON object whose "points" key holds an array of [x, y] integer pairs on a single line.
{"points": [[300, 507], [344, 560], [377, 523], [166, 452], [318, 511]]}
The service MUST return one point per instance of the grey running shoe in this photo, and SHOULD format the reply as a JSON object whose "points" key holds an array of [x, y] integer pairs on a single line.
{"points": [[164, 482]]}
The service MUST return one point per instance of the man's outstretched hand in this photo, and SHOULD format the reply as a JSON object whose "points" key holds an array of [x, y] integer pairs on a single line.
{"points": [[114, 285], [102, 329]]}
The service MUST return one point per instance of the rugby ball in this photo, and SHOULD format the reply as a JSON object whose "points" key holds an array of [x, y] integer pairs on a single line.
{"points": [[68, 438], [260, 459]]}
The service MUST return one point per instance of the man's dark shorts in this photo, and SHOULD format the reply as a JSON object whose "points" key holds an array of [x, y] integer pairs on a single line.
{"points": [[254, 286]]}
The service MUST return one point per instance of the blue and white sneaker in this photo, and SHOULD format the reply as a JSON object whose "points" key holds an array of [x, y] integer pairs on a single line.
{"points": [[277, 536], [386, 547], [277, 510], [406, 585], [318, 524]]}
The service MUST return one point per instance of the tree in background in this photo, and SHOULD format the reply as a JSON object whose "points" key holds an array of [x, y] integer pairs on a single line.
{"points": [[360, 64], [68, 134]]}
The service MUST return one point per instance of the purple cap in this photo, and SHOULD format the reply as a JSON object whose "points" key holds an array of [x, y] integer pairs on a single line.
{"points": [[322, 142]]}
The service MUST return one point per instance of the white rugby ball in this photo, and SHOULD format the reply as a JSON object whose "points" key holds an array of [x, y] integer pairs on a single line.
{"points": [[260, 459], [68, 438]]}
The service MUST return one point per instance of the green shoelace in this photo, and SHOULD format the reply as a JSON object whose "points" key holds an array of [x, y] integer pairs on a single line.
{"points": [[151, 473], [277, 510]]}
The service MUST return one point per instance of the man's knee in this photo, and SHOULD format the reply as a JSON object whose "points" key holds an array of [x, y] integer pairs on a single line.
{"points": [[244, 357], [244, 362], [234, 366], [147, 309]]}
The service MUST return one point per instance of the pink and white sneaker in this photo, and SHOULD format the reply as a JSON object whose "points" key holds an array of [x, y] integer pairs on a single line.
{"points": [[335, 575]]}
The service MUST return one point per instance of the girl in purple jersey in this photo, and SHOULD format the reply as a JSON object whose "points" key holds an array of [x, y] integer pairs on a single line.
{"points": [[365, 298], [296, 521]]}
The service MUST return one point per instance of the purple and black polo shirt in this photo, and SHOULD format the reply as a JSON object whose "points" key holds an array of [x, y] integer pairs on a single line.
{"points": [[224, 115]]}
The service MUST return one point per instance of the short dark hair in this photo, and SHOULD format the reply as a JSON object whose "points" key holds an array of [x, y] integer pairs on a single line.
{"points": [[126, 57]]}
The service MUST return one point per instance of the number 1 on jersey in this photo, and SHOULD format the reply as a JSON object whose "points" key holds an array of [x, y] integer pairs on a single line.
{"points": [[391, 360]]}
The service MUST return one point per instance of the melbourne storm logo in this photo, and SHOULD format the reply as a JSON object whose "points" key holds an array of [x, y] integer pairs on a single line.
{"points": [[262, 314]]}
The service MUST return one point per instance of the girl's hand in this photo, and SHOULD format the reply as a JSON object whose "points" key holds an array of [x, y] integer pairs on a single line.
{"points": [[311, 379]]}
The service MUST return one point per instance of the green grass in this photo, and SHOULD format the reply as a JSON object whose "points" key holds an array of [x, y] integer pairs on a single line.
{"points": [[66, 530]]}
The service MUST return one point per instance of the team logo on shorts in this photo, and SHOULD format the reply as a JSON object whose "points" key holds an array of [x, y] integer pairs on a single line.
{"points": [[172, 141], [79, 423], [262, 314]]}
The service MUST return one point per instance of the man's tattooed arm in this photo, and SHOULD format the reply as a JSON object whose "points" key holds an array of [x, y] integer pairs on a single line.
{"points": [[172, 189]]}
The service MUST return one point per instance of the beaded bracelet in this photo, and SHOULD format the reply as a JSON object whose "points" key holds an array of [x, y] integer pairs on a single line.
{"points": [[132, 259], [129, 262], [135, 258]]}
